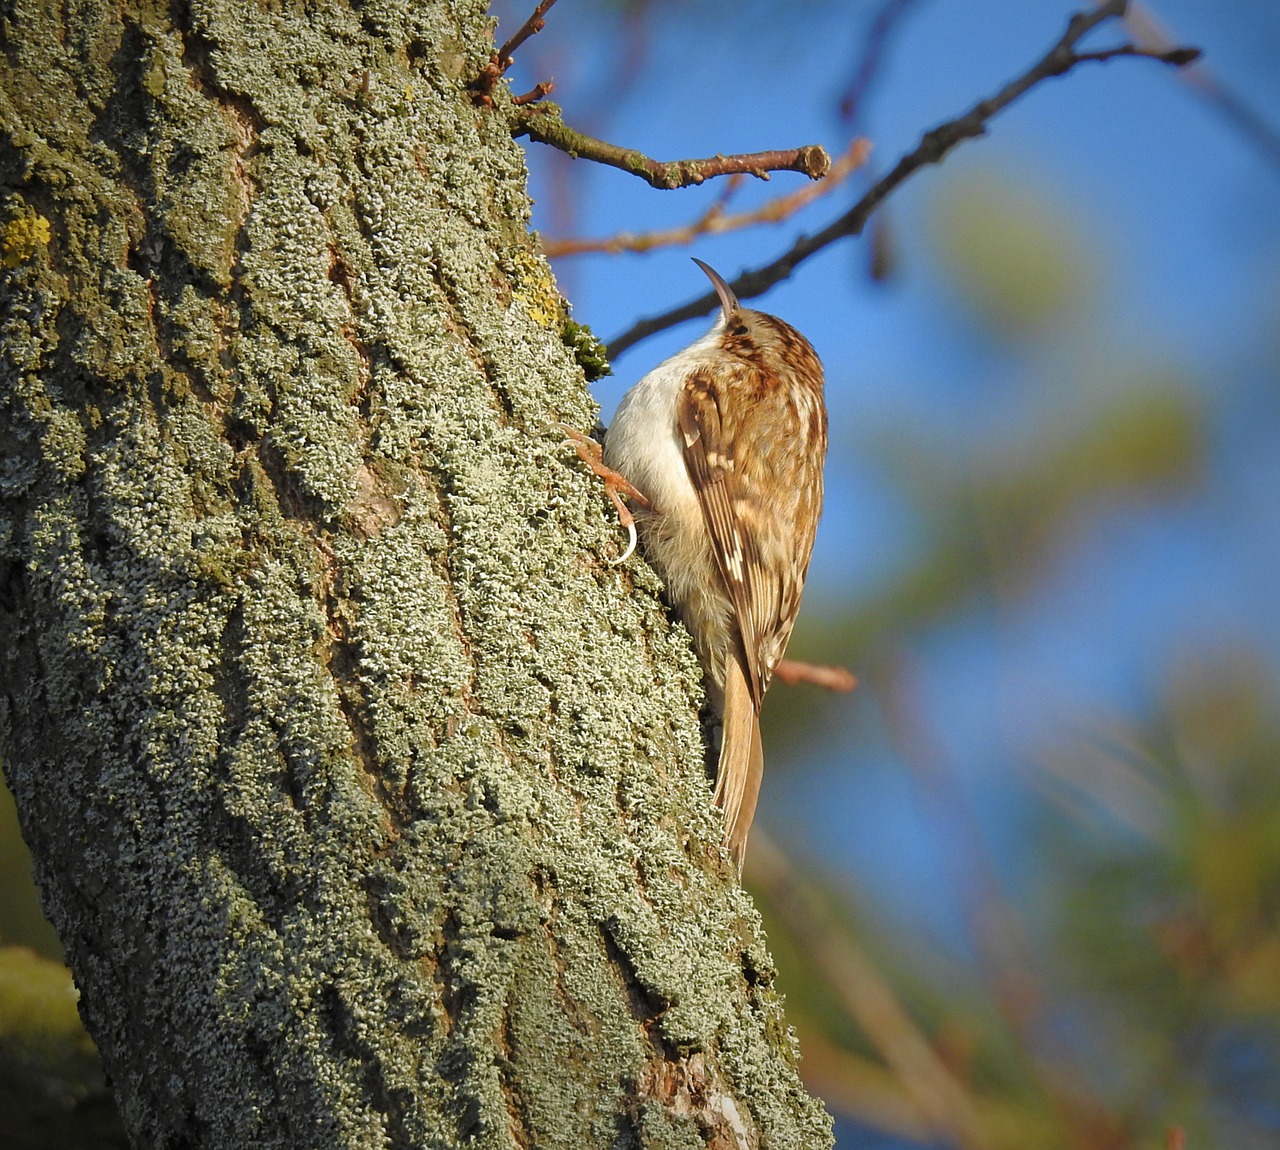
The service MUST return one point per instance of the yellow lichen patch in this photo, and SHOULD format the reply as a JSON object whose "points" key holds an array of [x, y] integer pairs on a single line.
{"points": [[536, 289], [21, 238]]}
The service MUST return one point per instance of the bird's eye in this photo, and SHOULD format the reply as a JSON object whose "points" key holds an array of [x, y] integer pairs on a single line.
{"points": [[741, 329]]}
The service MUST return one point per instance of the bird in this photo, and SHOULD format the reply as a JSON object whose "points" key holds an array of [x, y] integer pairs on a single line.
{"points": [[721, 449]]}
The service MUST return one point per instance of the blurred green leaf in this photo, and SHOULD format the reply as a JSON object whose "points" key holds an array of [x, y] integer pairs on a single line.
{"points": [[21, 919], [52, 1090], [1012, 257]]}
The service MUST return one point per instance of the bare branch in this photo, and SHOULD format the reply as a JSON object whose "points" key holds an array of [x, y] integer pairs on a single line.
{"points": [[714, 220], [536, 93], [544, 123], [838, 679], [935, 144]]}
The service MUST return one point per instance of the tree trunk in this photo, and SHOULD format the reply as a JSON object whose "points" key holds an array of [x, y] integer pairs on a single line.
{"points": [[369, 804]]}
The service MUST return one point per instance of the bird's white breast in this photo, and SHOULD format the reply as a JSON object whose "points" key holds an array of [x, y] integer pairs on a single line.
{"points": [[643, 442]]}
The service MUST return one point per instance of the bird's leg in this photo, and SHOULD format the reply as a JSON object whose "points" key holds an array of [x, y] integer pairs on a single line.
{"points": [[616, 485]]}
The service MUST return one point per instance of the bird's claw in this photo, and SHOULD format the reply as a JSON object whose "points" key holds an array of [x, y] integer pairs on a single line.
{"points": [[616, 485], [631, 544]]}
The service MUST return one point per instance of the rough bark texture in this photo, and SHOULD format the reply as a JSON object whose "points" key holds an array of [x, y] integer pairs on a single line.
{"points": [[369, 804]]}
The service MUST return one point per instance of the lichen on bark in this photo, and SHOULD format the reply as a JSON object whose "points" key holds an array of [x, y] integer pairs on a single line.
{"points": [[368, 802]]}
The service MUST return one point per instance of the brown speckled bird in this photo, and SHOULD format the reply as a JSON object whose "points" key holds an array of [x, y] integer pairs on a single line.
{"points": [[724, 445]]}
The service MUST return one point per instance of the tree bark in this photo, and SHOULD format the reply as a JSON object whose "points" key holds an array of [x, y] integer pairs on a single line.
{"points": [[369, 804]]}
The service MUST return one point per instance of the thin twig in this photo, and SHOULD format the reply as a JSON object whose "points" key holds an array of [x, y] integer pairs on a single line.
{"points": [[880, 253], [544, 123], [502, 59], [1243, 117], [935, 144], [530, 27], [536, 93], [714, 220], [1178, 57], [872, 56], [838, 679], [1147, 32]]}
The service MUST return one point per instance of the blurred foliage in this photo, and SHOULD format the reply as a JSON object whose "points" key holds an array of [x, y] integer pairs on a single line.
{"points": [[1188, 899], [1014, 258], [1152, 996], [1169, 921], [21, 919], [52, 1091]]}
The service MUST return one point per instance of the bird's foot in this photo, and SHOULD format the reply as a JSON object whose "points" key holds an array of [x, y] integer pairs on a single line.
{"points": [[616, 485]]}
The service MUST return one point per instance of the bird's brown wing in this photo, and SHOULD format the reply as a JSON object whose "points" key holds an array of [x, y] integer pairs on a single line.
{"points": [[755, 525]]}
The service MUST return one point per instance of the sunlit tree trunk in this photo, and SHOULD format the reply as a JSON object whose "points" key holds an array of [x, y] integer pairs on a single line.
{"points": [[367, 801]]}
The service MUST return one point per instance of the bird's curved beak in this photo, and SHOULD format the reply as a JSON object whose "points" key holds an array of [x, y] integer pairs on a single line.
{"points": [[728, 301]]}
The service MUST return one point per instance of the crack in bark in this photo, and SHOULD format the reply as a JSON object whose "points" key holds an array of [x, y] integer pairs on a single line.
{"points": [[647, 1006], [197, 54], [452, 297], [519, 1125], [342, 1027]]}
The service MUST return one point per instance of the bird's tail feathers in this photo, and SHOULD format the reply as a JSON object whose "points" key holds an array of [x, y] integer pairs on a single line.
{"points": [[741, 760]]}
